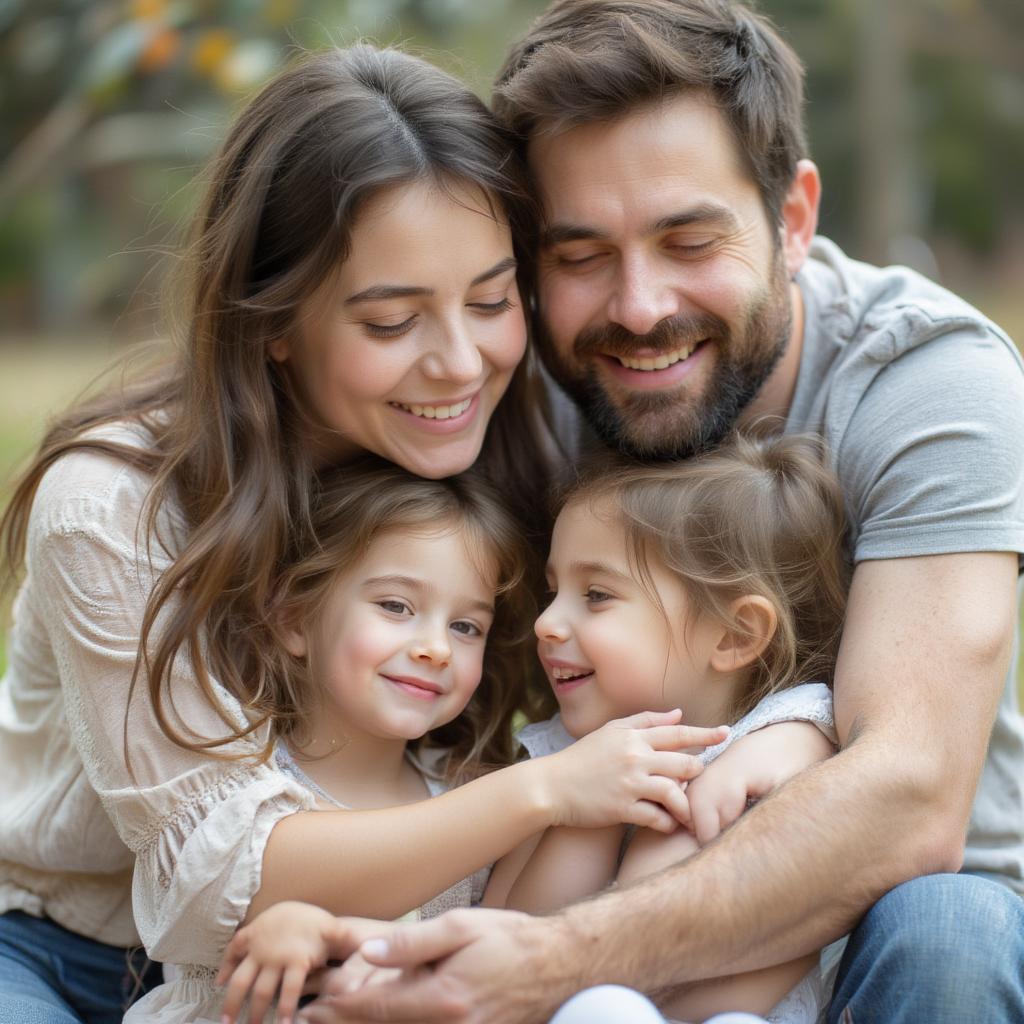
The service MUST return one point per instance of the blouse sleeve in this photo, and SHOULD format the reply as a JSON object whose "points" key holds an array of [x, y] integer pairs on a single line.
{"points": [[197, 824]]}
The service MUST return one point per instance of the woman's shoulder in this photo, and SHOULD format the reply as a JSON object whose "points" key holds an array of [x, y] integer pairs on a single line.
{"points": [[93, 490]]}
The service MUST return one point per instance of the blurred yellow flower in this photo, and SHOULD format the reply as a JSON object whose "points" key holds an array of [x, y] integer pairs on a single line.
{"points": [[212, 48], [147, 9]]}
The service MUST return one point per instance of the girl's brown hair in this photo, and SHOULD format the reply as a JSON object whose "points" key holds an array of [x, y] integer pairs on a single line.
{"points": [[754, 516], [284, 193], [357, 505]]}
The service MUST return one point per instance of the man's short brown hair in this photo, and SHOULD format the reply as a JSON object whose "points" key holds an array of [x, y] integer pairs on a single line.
{"points": [[584, 61]]}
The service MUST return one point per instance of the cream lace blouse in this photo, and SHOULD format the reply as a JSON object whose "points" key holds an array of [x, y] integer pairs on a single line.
{"points": [[181, 845]]}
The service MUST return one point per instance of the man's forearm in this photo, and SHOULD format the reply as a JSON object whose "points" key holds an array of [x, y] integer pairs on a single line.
{"points": [[767, 892]]}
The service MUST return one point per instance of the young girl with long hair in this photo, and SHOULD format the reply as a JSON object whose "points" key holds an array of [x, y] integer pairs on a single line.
{"points": [[351, 288], [732, 568], [399, 661]]}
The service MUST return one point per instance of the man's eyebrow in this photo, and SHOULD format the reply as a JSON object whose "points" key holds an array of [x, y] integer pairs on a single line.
{"points": [[703, 213], [377, 292], [421, 586]]}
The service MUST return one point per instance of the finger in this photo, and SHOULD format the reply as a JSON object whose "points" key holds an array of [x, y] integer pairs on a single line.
{"points": [[652, 816], [704, 818], [233, 956], [414, 944], [669, 794], [238, 987], [291, 990], [673, 765], [263, 991], [649, 719], [675, 737], [732, 806], [423, 999]]}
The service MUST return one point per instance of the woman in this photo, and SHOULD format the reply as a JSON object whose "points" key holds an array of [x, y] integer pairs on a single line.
{"points": [[353, 288]]}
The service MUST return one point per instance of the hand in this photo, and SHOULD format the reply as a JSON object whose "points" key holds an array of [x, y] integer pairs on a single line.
{"points": [[627, 772], [278, 950], [354, 973], [750, 769], [465, 967]]}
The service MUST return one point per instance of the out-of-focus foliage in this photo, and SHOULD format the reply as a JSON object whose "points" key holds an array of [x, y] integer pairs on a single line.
{"points": [[108, 107]]}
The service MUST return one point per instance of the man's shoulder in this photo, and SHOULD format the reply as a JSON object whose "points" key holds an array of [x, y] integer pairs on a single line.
{"points": [[894, 307]]}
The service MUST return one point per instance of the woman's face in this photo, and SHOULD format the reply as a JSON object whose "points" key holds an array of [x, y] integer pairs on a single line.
{"points": [[406, 351]]}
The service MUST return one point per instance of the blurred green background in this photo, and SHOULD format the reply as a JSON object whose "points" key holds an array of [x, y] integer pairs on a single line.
{"points": [[109, 107]]}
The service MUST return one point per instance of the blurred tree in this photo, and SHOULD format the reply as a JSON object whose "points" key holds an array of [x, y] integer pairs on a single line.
{"points": [[107, 106]]}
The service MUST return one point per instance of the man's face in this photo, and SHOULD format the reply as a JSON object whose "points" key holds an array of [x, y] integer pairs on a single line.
{"points": [[663, 295]]}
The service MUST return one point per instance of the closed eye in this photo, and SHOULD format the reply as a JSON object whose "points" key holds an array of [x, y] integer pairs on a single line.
{"points": [[388, 330], [493, 308]]}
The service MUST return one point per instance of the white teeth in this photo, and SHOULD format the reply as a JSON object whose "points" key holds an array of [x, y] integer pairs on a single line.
{"points": [[666, 359], [436, 412], [569, 673]]}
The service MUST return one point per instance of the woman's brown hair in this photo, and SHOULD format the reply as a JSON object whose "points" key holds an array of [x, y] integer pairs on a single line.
{"points": [[754, 516], [284, 192], [353, 507]]}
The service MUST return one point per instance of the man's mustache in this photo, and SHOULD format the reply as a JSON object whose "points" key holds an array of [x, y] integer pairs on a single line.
{"points": [[671, 333]]}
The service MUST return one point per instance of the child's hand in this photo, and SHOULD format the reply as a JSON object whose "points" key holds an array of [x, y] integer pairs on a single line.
{"points": [[275, 952], [627, 772], [751, 768]]}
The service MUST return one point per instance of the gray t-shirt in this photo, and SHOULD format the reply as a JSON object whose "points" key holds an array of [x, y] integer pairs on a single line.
{"points": [[921, 401]]}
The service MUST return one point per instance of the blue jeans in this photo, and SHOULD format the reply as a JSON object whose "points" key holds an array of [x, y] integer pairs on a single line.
{"points": [[49, 975], [942, 948]]}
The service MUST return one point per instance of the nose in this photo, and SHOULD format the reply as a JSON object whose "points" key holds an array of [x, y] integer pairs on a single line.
{"points": [[454, 356], [432, 647], [642, 296], [551, 625]]}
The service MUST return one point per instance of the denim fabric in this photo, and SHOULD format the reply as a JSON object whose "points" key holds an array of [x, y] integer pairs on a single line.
{"points": [[943, 949], [49, 975]]}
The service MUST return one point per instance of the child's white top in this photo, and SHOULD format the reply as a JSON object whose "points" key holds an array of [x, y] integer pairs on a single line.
{"points": [[808, 702], [189, 996]]}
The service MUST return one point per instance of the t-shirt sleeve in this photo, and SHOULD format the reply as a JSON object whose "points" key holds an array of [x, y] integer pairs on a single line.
{"points": [[196, 824], [932, 459]]}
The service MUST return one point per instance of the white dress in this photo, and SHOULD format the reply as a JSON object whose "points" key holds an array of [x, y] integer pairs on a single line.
{"points": [[189, 995], [807, 1002]]}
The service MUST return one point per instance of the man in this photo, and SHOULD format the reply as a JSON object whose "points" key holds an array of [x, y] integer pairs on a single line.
{"points": [[680, 292]]}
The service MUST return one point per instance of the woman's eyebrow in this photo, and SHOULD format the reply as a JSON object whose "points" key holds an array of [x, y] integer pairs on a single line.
{"points": [[377, 292]]}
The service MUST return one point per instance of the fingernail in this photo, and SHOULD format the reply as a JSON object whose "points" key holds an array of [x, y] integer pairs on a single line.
{"points": [[374, 947]]}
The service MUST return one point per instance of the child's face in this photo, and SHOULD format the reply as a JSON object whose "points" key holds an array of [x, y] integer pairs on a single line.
{"points": [[607, 648], [398, 649]]}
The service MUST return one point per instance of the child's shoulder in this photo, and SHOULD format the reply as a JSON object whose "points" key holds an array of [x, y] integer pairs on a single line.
{"points": [[542, 738]]}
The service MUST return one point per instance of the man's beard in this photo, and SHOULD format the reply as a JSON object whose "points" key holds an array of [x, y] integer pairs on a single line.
{"points": [[674, 424]]}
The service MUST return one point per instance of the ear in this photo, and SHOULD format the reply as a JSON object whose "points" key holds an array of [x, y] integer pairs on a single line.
{"points": [[755, 622], [800, 215], [292, 636], [279, 350]]}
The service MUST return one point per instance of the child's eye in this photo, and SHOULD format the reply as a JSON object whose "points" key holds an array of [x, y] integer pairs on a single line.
{"points": [[467, 628], [595, 596], [395, 607]]}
